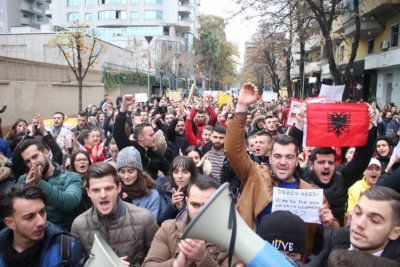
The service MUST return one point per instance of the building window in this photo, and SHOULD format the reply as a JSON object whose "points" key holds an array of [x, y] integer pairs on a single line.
{"points": [[103, 2], [153, 14], [88, 16], [395, 35], [73, 2], [73, 16], [135, 2], [153, 2], [1, 25], [341, 53], [1, 10], [371, 46], [88, 2], [13, 48], [134, 15], [112, 14]]}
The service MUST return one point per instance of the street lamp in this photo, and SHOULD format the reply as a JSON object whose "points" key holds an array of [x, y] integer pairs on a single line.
{"points": [[148, 39], [176, 70]]}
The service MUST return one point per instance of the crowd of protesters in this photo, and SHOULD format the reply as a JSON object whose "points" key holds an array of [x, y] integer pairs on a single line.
{"points": [[137, 173]]}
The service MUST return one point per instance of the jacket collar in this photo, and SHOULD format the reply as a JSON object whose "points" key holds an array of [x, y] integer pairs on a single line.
{"points": [[119, 212]]}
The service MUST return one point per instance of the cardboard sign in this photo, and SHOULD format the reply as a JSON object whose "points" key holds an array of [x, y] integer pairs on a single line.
{"points": [[174, 96], [301, 202], [332, 93], [141, 97], [268, 96], [294, 107], [224, 99]]}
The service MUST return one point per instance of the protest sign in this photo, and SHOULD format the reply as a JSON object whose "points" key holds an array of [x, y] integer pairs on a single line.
{"points": [[301, 202], [332, 93], [141, 97], [174, 96], [268, 96], [395, 154], [294, 107], [224, 99]]}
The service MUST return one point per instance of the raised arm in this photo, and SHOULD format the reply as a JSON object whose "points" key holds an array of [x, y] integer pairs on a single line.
{"points": [[235, 143], [121, 139]]}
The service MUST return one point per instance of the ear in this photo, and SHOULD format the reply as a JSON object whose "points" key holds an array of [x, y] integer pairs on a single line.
{"points": [[119, 187], [395, 233], [88, 191], [46, 152], [10, 223], [311, 165]]}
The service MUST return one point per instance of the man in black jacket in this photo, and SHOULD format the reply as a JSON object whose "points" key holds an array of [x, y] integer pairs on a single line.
{"points": [[321, 170], [375, 228], [152, 160]]}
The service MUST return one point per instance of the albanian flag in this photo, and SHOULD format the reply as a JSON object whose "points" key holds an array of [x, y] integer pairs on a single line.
{"points": [[336, 125]]}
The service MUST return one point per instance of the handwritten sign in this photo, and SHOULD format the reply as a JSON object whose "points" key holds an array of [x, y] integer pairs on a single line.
{"points": [[175, 96], [301, 202], [332, 93], [141, 97]]}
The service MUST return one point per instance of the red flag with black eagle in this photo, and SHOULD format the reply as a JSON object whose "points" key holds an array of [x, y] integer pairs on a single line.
{"points": [[336, 124]]}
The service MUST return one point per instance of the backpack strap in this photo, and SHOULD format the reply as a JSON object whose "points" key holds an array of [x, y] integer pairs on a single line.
{"points": [[65, 249]]}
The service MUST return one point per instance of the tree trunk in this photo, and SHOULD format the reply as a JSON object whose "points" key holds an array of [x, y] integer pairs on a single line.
{"points": [[301, 67]]}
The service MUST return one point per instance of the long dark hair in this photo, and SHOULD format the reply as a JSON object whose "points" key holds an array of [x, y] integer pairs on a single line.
{"points": [[72, 165], [187, 164], [11, 132]]}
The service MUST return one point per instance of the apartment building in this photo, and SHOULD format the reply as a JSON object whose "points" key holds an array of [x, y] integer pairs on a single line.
{"points": [[17, 13]]}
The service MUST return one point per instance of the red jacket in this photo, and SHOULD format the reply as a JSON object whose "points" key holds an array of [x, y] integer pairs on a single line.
{"points": [[200, 126], [94, 158]]}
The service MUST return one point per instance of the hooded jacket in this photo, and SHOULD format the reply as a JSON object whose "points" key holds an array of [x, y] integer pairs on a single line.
{"points": [[50, 252], [254, 128]]}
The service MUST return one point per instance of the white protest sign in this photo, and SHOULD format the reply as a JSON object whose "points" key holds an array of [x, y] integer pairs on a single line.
{"points": [[141, 97], [301, 202], [294, 107], [319, 99], [396, 152], [268, 96], [332, 93]]}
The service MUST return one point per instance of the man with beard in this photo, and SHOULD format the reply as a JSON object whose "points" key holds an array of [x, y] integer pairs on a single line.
{"points": [[168, 250], [82, 122], [374, 229], [63, 189], [29, 239], [176, 135], [384, 123], [59, 132], [258, 179]]}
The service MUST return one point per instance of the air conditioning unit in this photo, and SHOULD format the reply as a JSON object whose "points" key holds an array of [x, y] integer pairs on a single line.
{"points": [[384, 45]]}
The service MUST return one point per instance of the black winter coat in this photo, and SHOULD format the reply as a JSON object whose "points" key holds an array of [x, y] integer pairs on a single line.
{"points": [[152, 160]]}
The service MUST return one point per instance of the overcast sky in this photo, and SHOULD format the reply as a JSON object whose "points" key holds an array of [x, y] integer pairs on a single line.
{"points": [[238, 30]]}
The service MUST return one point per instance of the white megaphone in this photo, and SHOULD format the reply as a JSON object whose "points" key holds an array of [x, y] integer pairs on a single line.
{"points": [[102, 255], [248, 247]]}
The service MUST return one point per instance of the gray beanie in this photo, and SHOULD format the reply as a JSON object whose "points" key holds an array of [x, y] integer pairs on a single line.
{"points": [[129, 157]]}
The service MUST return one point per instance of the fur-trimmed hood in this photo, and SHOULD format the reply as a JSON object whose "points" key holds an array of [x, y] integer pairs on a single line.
{"points": [[4, 171], [255, 121]]}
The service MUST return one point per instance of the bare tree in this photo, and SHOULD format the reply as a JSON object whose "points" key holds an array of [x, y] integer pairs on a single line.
{"points": [[79, 50]]}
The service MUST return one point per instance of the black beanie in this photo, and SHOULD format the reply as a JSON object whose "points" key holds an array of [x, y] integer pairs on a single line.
{"points": [[284, 231], [385, 138]]}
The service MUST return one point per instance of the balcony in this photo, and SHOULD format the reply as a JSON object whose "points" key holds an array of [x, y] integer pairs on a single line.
{"points": [[379, 8], [48, 12], [337, 24], [25, 21], [186, 22], [30, 8], [369, 28], [185, 8]]}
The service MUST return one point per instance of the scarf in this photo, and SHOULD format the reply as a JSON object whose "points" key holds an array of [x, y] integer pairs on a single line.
{"points": [[132, 190]]}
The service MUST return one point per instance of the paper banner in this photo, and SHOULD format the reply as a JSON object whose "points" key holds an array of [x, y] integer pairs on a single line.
{"points": [[268, 96], [141, 97], [174, 96], [301, 202], [294, 107], [332, 93]]}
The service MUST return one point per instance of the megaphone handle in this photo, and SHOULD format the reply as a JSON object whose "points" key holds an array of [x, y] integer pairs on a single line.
{"points": [[232, 224]]}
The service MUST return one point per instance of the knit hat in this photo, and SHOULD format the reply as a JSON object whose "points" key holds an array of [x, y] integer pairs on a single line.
{"points": [[129, 157], [385, 138], [284, 231]]}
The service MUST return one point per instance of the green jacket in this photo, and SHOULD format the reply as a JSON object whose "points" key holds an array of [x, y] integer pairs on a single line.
{"points": [[64, 194]]}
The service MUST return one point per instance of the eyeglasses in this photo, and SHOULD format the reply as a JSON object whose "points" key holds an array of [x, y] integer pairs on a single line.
{"points": [[114, 151], [82, 160]]}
